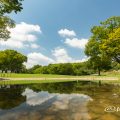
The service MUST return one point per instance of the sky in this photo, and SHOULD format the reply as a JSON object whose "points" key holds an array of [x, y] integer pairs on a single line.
{"points": [[57, 31]]}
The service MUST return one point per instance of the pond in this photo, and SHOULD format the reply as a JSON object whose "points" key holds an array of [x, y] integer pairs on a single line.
{"points": [[60, 101]]}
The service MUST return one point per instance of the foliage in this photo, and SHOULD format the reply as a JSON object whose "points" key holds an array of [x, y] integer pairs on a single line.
{"points": [[5, 23], [12, 60], [111, 45], [98, 60], [104, 44], [8, 6], [32, 70], [63, 69]]}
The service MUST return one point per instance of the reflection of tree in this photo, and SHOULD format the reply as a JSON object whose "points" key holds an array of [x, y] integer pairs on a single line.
{"points": [[67, 87], [54, 87], [11, 97]]}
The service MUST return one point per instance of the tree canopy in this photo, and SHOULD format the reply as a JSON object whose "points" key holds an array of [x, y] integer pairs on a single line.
{"points": [[12, 60], [62, 69], [104, 44], [6, 7], [107, 35]]}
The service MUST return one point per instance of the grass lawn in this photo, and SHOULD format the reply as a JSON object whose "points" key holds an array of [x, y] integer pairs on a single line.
{"points": [[13, 75], [111, 74], [103, 74], [48, 78], [20, 82]]}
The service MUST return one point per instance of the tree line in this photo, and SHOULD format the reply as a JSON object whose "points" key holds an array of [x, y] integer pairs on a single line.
{"points": [[14, 61], [62, 69], [82, 68]]}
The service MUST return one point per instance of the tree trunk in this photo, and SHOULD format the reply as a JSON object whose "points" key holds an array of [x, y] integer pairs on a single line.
{"points": [[99, 71]]}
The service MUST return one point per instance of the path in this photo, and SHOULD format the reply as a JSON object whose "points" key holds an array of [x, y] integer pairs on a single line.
{"points": [[74, 78]]}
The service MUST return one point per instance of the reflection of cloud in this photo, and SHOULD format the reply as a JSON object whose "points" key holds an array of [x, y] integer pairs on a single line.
{"points": [[34, 98], [76, 104]]}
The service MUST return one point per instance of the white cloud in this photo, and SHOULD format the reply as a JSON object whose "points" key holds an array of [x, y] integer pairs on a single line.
{"points": [[77, 43], [12, 44], [61, 55], [21, 35], [37, 58], [66, 33], [35, 46], [81, 60]]}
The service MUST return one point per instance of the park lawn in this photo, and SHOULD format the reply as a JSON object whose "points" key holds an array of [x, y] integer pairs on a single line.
{"points": [[103, 74], [21, 82], [13, 75], [49, 80], [111, 74]]}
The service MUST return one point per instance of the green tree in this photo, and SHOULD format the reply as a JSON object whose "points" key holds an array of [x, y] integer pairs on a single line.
{"points": [[97, 59], [12, 60], [104, 44], [82, 68], [65, 69], [111, 45], [107, 36], [6, 7], [34, 69]]}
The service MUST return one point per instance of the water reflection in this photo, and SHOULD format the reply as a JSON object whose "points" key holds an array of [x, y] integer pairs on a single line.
{"points": [[59, 101], [72, 105], [34, 98]]}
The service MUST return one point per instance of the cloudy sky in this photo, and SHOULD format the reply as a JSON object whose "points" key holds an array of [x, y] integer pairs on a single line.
{"points": [[56, 31]]}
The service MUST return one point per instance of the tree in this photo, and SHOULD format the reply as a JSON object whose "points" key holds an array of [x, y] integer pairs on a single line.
{"points": [[6, 7], [111, 46], [97, 59], [65, 69], [107, 36], [82, 68], [34, 69], [12, 60], [104, 44]]}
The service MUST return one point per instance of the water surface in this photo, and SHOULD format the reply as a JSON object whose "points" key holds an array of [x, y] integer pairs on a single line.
{"points": [[59, 101]]}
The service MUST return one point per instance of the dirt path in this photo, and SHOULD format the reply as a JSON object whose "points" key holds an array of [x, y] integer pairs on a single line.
{"points": [[74, 78]]}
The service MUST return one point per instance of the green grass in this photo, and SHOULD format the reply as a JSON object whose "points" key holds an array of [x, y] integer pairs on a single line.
{"points": [[13, 75], [20, 82], [111, 74], [45, 76]]}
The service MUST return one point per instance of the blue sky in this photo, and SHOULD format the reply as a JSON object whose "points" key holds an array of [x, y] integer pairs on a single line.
{"points": [[64, 28]]}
